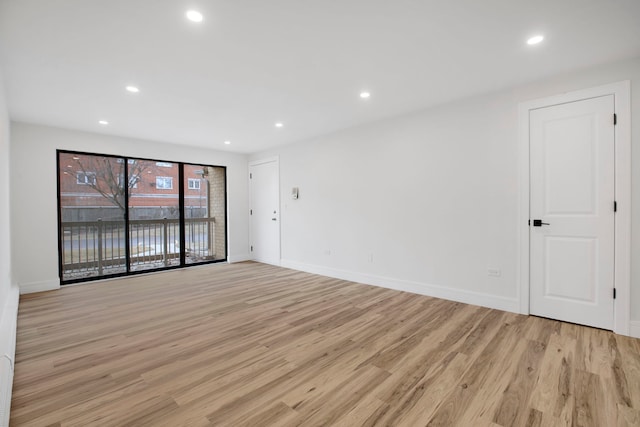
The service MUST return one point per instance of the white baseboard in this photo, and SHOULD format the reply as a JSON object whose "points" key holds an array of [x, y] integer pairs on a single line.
{"points": [[239, 258], [459, 295], [45, 285], [634, 328], [8, 323]]}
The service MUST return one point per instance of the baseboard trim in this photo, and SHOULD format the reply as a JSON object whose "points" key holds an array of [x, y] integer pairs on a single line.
{"points": [[452, 294], [8, 324], [634, 328], [45, 285]]}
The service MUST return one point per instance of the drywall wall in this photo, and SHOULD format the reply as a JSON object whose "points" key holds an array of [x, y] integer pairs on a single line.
{"points": [[8, 291], [427, 202], [5, 229], [7, 296], [34, 202]]}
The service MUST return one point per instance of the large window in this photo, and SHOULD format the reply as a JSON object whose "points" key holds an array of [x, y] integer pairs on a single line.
{"points": [[163, 215], [204, 210]]}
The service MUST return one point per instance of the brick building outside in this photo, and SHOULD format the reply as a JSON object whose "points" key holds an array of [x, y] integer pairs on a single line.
{"points": [[92, 188]]}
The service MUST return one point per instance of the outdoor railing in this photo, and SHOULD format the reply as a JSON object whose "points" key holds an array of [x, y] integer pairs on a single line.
{"points": [[96, 248]]}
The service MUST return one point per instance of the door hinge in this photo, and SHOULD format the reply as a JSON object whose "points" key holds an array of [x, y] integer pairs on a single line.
{"points": [[529, 223], [615, 206], [251, 248], [614, 293], [615, 119], [250, 211], [250, 176]]}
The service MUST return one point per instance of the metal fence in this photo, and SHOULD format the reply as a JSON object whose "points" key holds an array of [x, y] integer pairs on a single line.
{"points": [[97, 248]]}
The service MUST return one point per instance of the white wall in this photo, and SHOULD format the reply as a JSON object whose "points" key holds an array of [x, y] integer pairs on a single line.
{"points": [[5, 229], [432, 196], [8, 292], [34, 203]]}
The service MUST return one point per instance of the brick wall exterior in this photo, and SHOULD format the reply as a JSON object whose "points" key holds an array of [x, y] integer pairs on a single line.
{"points": [[217, 208]]}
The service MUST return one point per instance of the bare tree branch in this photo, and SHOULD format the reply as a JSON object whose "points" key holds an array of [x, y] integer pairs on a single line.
{"points": [[108, 177]]}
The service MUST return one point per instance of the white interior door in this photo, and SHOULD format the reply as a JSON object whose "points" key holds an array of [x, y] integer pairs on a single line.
{"points": [[264, 182], [572, 211]]}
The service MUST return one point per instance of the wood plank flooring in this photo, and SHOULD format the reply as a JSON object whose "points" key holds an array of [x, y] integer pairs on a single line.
{"points": [[255, 345]]}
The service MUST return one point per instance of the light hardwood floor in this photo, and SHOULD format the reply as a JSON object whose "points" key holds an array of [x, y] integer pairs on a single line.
{"points": [[251, 345]]}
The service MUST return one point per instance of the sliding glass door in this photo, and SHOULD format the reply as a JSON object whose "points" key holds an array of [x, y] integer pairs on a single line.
{"points": [[91, 216], [205, 217], [120, 215], [154, 214]]}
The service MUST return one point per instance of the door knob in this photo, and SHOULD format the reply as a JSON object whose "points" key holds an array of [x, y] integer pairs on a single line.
{"points": [[273, 219], [539, 223]]}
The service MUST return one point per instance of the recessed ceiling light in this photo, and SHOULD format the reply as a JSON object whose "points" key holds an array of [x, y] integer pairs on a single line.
{"points": [[535, 40], [227, 142], [133, 89], [194, 15], [365, 95], [279, 125], [76, 158], [69, 166], [103, 122]]}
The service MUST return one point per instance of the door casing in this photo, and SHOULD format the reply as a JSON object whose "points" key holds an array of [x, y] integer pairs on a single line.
{"points": [[622, 267]]}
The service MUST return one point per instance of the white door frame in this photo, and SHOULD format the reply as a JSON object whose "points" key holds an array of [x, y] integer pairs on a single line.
{"points": [[275, 159], [622, 268]]}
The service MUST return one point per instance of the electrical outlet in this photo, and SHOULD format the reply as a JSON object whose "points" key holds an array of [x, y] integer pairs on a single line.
{"points": [[493, 272]]}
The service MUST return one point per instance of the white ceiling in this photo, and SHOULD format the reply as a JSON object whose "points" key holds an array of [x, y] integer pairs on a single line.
{"points": [[252, 63]]}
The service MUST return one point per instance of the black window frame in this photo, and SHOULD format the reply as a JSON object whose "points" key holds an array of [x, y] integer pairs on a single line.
{"points": [[181, 193]]}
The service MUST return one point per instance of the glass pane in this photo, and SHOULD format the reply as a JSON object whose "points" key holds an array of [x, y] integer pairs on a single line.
{"points": [[154, 214], [92, 215], [205, 213]]}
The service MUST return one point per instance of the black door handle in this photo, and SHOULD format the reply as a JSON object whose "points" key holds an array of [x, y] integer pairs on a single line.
{"points": [[539, 223]]}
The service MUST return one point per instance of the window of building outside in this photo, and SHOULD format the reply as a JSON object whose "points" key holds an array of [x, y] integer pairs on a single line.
{"points": [[85, 178], [164, 183], [109, 225], [193, 184]]}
